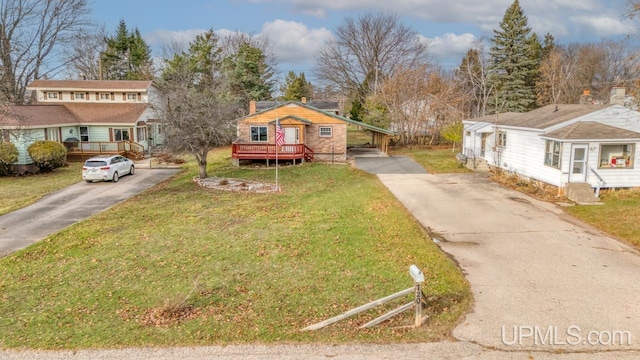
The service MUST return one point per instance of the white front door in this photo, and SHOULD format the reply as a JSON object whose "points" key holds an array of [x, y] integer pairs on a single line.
{"points": [[579, 168], [291, 135]]}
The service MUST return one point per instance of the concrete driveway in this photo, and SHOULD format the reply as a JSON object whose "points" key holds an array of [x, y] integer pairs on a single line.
{"points": [[541, 281], [62, 208]]}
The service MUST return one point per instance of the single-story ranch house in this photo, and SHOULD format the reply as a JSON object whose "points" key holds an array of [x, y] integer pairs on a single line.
{"points": [[309, 134], [560, 144]]}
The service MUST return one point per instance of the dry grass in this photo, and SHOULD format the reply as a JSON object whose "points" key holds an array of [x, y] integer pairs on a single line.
{"points": [[536, 189]]}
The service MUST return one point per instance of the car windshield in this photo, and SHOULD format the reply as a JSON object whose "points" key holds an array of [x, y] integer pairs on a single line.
{"points": [[95, 163]]}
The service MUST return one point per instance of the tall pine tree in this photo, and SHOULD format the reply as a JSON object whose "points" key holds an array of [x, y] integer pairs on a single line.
{"points": [[296, 87], [127, 57], [513, 63]]}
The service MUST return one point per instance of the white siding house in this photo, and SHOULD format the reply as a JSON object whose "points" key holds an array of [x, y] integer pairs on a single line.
{"points": [[560, 144]]}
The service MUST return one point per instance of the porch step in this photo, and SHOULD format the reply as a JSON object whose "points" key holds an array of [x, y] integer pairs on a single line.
{"points": [[581, 193]]}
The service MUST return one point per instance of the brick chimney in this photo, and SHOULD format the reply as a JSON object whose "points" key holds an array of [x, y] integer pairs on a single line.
{"points": [[618, 94], [252, 107]]}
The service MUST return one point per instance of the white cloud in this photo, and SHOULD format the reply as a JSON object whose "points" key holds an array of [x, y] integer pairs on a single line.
{"points": [[166, 37], [294, 42], [451, 46]]}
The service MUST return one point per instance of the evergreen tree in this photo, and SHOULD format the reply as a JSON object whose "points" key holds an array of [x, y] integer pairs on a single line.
{"points": [[249, 73], [512, 63], [127, 57], [296, 87]]}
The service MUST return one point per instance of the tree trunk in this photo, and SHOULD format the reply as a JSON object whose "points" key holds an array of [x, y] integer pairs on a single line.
{"points": [[201, 157]]}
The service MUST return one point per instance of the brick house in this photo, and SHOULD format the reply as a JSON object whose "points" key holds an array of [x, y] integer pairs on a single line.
{"points": [[309, 134]]}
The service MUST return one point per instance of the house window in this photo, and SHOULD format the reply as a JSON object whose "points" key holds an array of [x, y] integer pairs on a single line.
{"points": [[121, 134], [502, 139], [326, 131], [53, 134], [552, 154], [259, 133], [52, 95], [132, 96], [79, 96], [84, 133], [142, 133], [616, 156], [105, 96]]}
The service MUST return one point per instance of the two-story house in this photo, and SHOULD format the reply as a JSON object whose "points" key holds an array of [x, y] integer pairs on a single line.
{"points": [[89, 117]]}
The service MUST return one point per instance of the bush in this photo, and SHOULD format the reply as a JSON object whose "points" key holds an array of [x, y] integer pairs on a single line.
{"points": [[47, 155], [8, 155]]}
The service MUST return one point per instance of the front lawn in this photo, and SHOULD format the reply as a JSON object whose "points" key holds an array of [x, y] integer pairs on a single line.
{"points": [[19, 191], [619, 216], [179, 265]]}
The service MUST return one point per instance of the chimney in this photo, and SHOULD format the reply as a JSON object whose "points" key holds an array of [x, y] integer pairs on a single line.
{"points": [[303, 100], [617, 95], [252, 107], [586, 97]]}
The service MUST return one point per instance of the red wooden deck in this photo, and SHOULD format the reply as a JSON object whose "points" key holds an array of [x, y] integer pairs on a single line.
{"points": [[268, 152]]}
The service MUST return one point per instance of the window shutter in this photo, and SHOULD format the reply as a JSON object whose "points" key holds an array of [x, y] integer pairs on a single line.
{"points": [[124, 97], [73, 96], [46, 134], [97, 96], [131, 135], [110, 134], [87, 95], [44, 93], [139, 97], [59, 95], [113, 97]]}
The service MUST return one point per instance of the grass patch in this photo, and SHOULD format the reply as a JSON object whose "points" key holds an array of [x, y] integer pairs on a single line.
{"points": [[181, 265], [357, 136], [621, 205], [19, 191], [437, 160]]}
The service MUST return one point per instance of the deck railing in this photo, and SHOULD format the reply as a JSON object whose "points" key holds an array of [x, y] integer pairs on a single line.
{"points": [[92, 148], [269, 151]]}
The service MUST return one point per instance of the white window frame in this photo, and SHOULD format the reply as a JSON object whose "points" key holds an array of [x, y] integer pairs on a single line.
{"points": [[132, 96], [621, 152], [105, 96], [79, 96], [142, 133], [552, 158], [122, 131], [325, 131], [52, 95], [502, 139]]}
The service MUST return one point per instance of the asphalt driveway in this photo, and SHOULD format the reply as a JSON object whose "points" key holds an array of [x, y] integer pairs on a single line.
{"points": [[541, 281], [62, 208]]}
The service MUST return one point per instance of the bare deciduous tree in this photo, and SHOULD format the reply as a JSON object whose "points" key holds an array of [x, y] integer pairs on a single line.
{"points": [[557, 72], [83, 55], [32, 33], [365, 51], [472, 78]]}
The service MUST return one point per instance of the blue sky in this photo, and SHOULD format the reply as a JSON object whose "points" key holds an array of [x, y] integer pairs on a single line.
{"points": [[297, 28]]}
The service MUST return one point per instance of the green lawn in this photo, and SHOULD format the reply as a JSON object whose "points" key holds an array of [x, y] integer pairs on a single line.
{"points": [[179, 265], [19, 191], [436, 160], [621, 205]]}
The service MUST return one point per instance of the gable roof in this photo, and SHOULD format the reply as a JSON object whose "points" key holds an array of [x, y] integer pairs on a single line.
{"points": [[584, 130], [547, 116], [31, 116], [325, 113], [96, 85]]}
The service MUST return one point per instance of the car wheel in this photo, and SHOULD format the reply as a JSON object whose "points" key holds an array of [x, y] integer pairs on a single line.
{"points": [[89, 181], [132, 170], [115, 177]]}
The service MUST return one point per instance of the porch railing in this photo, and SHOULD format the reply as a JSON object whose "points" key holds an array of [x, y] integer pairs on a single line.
{"points": [[269, 151], [92, 148], [601, 181]]}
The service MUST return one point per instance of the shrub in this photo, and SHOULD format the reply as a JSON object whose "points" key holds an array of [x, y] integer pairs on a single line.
{"points": [[47, 155], [8, 155]]}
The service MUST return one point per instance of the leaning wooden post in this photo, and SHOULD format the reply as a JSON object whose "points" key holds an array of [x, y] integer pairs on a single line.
{"points": [[418, 279]]}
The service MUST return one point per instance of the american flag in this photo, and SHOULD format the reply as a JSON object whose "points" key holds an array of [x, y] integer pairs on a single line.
{"points": [[279, 134]]}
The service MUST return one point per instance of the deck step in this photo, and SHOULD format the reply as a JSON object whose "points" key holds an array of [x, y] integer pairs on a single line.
{"points": [[581, 193]]}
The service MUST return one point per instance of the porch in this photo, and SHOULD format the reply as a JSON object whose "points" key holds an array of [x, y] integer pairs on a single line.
{"points": [[270, 151], [82, 150]]}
